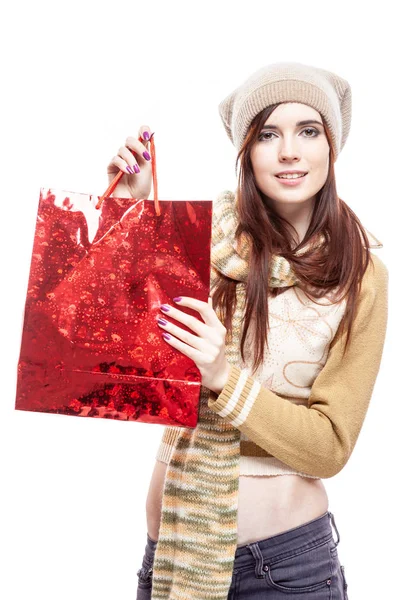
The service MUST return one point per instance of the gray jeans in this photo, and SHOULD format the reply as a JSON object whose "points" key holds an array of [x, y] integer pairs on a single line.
{"points": [[303, 560], [145, 572]]}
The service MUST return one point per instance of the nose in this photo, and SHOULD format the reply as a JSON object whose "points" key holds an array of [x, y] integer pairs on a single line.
{"points": [[289, 151]]}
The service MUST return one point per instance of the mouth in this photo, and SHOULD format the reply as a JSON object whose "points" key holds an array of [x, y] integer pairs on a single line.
{"points": [[292, 180]]}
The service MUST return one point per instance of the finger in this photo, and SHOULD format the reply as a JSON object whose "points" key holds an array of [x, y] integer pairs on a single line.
{"points": [[204, 308], [192, 322], [143, 131], [139, 150], [129, 159], [189, 351], [185, 336], [118, 163]]}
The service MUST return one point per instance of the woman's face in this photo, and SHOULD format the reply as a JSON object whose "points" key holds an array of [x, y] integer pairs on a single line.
{"points": [[283, 145]]}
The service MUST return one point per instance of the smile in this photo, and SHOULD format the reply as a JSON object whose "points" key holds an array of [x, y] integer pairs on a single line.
{"points": [[292, 180]]}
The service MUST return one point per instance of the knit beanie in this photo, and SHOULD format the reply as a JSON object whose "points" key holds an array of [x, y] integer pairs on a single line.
{"points": [[323, 90]]}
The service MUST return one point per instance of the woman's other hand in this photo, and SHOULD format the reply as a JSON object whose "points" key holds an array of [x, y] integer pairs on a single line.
{"points": [[205, 346]]}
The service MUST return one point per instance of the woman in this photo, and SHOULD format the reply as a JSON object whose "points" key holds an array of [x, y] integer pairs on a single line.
{"points": [[285, 117]]}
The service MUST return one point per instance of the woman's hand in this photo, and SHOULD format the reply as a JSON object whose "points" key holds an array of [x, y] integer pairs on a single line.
{"points": [[134, 155], [207, 347]]}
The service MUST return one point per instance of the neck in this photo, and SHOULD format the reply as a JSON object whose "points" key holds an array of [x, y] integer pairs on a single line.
{"points": [[297, 214]]}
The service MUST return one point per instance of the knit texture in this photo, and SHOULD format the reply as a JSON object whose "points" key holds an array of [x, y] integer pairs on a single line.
{"points": [[326, 92]]}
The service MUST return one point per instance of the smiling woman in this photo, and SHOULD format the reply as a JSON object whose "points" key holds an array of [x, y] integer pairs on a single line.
{"points": [[289, 349]]}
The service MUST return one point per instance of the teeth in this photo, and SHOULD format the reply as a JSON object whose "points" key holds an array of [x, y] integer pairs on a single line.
{"points": [[291, 176]]}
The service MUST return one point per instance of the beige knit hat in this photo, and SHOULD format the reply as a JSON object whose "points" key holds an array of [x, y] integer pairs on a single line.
{"points": [[324, 91]]}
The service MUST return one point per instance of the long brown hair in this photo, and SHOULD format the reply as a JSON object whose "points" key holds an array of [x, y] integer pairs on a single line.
{"points": [[338, 263]]}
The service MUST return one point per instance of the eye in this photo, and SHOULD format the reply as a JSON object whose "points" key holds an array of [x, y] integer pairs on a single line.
{"points": [[312, 129], [315, 131], [265, 133]]}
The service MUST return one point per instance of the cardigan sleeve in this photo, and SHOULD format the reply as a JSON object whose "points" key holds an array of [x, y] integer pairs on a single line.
{"points": [[319, 438], [168, 440]]}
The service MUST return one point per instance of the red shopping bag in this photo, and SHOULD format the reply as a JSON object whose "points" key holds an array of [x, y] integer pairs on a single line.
{"points": [[100, 269]]}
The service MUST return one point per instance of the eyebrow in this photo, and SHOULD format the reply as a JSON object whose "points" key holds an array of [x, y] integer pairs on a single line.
{"points": [[308, 122]]}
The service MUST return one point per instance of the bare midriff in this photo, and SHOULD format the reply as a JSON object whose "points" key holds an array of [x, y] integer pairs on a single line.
{"points": [[267, 505]]}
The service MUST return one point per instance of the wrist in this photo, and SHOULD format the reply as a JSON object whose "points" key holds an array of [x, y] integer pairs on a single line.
{"points": [[221, 381]]}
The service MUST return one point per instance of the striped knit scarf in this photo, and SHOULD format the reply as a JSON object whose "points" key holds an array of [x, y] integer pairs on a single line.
{"points": [[197, 540]]}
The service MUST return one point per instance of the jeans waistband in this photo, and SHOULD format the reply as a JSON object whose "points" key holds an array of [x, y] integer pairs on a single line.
{"points": [[311, 533]]}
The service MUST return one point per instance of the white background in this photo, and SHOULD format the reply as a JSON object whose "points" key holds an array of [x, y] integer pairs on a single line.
{"points": [[77, 79]]}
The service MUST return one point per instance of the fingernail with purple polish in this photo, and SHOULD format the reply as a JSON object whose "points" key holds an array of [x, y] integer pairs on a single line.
{"points": [[146, 155], [166, 336], [136, 168], [165, 307], [146, 135]]}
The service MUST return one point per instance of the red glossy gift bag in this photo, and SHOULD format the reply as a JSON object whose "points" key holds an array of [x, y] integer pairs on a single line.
{"points": [[100, 269]]}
